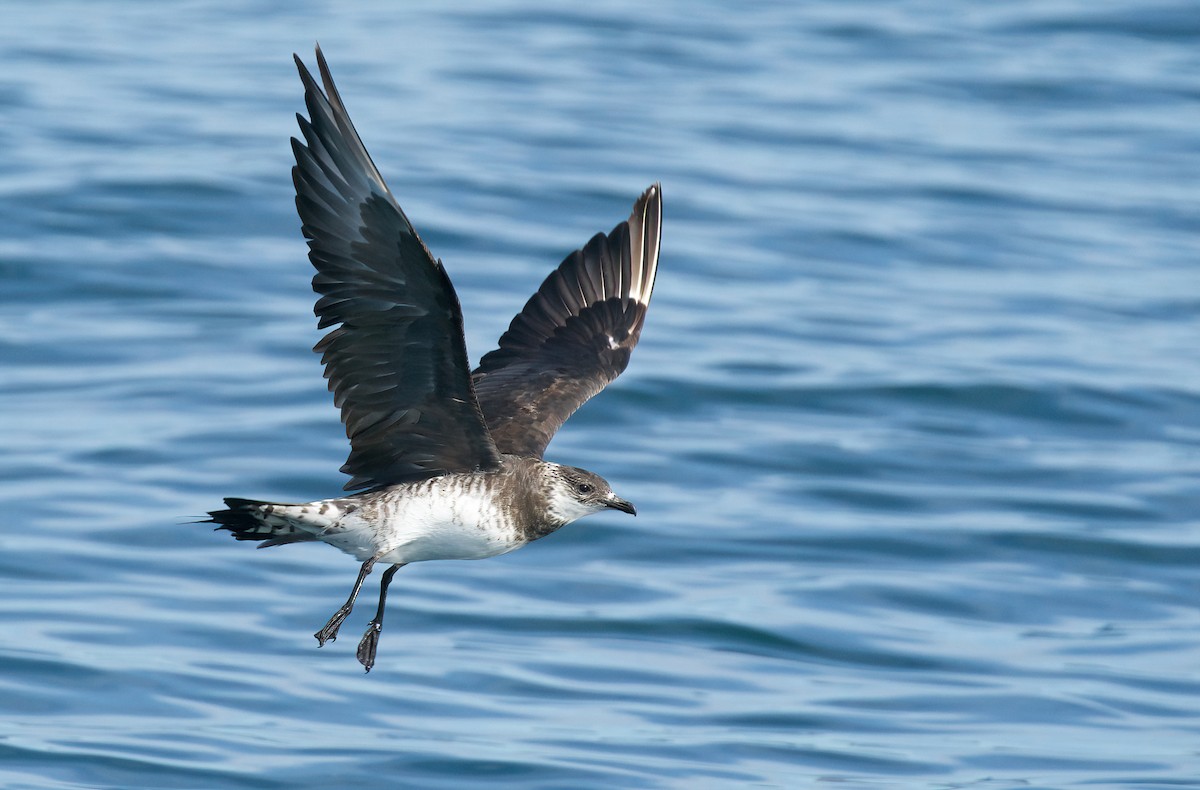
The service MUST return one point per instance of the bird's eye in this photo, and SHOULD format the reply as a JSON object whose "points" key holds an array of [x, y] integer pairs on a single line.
{"points": [[584, 488]]}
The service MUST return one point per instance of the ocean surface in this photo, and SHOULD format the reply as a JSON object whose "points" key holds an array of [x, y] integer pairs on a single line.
{"points": [[913, 429]]}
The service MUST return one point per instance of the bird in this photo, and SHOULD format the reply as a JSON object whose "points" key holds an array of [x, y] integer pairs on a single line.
{"points": [[445, 462]]}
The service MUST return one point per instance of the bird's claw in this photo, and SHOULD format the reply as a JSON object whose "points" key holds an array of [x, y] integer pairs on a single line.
{"points": [[369, 644], [329, 631]]}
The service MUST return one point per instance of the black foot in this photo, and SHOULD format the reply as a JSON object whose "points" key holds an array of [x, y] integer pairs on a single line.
{"points": [[329, 631], [369, 644]]}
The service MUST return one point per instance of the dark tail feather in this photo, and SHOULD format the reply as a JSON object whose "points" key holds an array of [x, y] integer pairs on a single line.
{"points": [[253, 519]]}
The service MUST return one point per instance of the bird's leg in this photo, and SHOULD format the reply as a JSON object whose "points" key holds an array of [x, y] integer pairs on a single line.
{"points": [[329, 632], [370, 640]]}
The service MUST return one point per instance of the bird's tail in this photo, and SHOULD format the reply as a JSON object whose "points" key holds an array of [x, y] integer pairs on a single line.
{"points": [[273, 523]]}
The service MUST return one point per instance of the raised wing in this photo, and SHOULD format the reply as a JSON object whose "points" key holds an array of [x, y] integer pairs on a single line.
{"points": [[574, 335], [397, 364]]}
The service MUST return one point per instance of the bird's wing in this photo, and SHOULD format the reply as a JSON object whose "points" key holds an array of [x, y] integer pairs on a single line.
{"points": [[397, 363], [574, 335]]}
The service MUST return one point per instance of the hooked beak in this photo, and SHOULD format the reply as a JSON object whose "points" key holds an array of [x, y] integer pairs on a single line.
{"points": [[616, 503]]}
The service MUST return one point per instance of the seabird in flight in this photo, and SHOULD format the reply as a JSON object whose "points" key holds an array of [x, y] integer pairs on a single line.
{"points": [[450, 458]]}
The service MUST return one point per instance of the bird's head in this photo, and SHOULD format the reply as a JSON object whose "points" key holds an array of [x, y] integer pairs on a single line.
{"points": [[575, 493]]}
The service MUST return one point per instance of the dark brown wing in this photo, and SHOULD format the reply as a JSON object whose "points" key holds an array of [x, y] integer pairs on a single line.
{"points": [[574, 335], [397, 364]]}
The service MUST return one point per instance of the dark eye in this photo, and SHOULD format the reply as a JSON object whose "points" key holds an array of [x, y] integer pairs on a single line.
{"points": [[584, 488]]}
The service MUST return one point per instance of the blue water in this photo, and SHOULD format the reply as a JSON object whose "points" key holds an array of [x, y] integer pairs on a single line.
{"points": [[913, 430]]}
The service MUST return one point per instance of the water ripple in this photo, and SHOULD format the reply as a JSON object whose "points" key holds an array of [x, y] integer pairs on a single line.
{"points": [[912, 430]]}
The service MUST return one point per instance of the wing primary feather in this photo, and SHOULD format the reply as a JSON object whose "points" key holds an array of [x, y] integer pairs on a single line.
{"points": [[574, 335], [394, 354]]}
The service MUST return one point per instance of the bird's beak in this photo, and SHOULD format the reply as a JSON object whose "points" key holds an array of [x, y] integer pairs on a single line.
{"points": [[616, 503]]}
